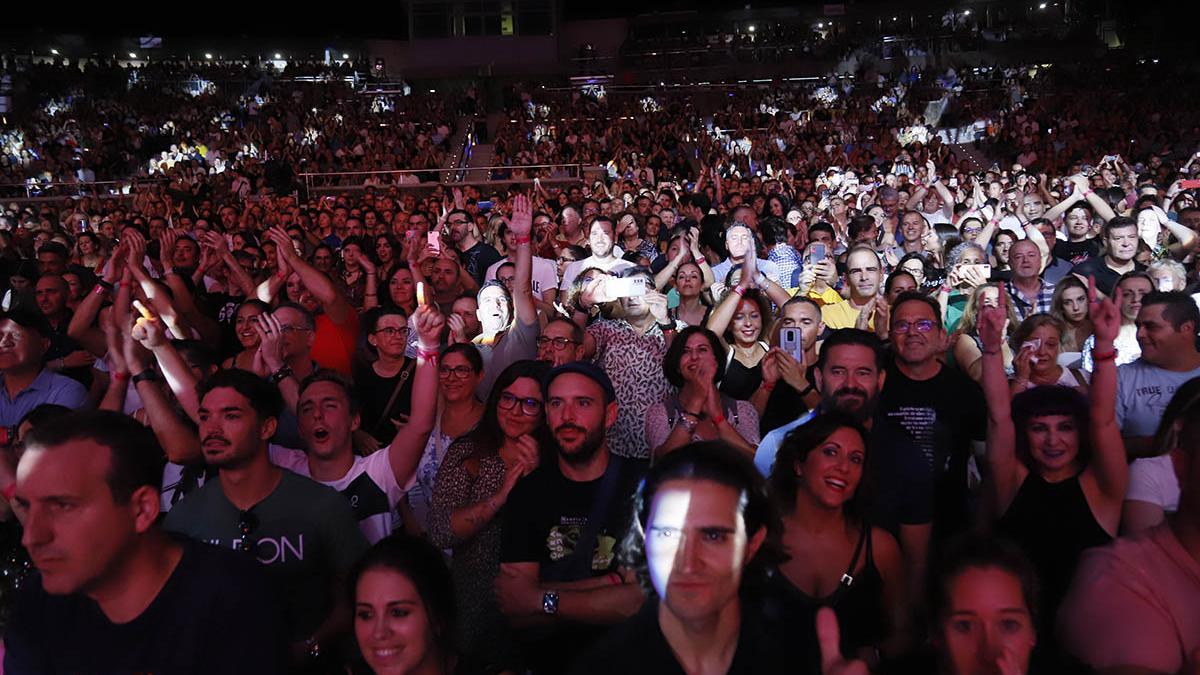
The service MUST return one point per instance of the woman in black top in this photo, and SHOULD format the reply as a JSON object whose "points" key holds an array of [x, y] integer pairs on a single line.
{"points": [[1057, 468], [385, 383], [836, 559]]}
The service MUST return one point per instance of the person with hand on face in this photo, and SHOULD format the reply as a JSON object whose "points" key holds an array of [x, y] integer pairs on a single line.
{"points": [[1051, 451], [605, 255], [559, 574], [561, 342], [405, 621], [703, 535], [1037, 342], [966, 343], [474, 482], [134, 598], [693, 364], [247, 318], [780, 367], [818, 277]]}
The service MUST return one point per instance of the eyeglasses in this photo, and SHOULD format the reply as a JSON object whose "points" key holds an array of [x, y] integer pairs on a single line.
{"points": [[457, 222], [559, 342], [922, 326], [459, 372], [529, 406], [247, 523], [288, 328], [389, 332]]}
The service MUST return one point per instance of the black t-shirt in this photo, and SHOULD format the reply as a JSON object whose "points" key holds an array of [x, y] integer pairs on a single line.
{"points": [[942, 415], [1106, 277], [1076, 252], [901, 484], [217, 613], [375, 392], [478, 259]]}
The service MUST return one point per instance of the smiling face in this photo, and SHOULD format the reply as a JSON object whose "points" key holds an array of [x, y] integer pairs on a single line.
{"points": [[697, 547], [600, 238], [391, 624], [513, 421], [1053, 442], [1158, 337], [831, 472], [402, 289], [243, 326], [457, 378], [914, 347], [747, 322]]}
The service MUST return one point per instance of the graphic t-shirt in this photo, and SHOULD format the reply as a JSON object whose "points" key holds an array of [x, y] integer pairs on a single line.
{"points": [[477, 259], [217, 613], [303, 532], [545, 275], [1076, 252], [1143, 392], [369, 487]]}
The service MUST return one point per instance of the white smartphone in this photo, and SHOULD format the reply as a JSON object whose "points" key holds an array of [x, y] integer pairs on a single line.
{"points": [[628, 287], [984, 269], [790, 341]]}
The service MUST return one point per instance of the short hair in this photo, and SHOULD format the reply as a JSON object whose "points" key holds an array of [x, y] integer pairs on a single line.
{"points": [[1025, 328], [1135, 274], [800, 300], [1118, 223], [137, 459], [978, 551], [1045, 401], [917, 296], [309, 321], [855, 337], [264, 397], [956, 254], [858, 225], [53, 247], [468, 351], [717, 462], [675, 354], [333, 377], [1175, 268], [797, 445], [1178, 308], [576, 329], [423, 565], [822, 227]]}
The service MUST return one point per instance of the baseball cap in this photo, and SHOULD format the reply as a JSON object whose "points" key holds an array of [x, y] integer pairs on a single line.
{"points": [[589, 370]]}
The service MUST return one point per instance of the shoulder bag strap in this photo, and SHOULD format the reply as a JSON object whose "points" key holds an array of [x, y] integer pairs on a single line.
{"points": [[386, 416]]}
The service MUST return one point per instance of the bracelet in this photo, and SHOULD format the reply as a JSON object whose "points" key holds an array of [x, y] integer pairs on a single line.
{"points": [[282, 374], [521, 241], [614, 579], [1109, 355], [147, 375], [701, 261], [9, 491], [769, 386], [717, 419], [107, 285], [100, 290], [120, 375], [427, 354], [740, 291]]}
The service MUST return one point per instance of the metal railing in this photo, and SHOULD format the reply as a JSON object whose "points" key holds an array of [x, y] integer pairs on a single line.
{"points": [[419, 179], [100, 188]]}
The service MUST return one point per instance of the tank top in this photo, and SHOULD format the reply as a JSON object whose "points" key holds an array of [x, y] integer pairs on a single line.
{"points": [[739, 381], [857, 600]]}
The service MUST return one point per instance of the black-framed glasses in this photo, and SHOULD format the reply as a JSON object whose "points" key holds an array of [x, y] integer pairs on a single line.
{"points": [[247, 524], [457, 222], [922, 326], [458, 372], [529, 406], [390, 332], [558, 342]]}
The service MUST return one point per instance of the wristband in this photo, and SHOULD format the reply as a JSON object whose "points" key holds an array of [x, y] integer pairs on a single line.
{"points": [[717, 419], [147, 375], [740, 291], [1109, 355], [100, 290], [701, 261], [120, 376], [520, 241], [9, 491], [282, 374], [615, 579], [427, 354], [107, 285], [768, 386]]}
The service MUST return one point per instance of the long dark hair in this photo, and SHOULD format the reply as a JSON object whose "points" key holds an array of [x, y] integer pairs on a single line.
{"points": [[487, 435], [795, 448]]}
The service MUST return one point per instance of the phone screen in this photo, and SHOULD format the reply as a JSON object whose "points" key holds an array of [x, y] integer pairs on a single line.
{"points": [[816, 252], [435, 240]]}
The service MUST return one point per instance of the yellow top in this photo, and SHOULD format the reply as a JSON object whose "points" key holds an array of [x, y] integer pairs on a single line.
{"points": [[842, 315]]}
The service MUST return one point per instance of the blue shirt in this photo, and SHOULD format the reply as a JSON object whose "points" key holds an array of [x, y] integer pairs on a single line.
{"points": [[768, 447], [47, 387]]}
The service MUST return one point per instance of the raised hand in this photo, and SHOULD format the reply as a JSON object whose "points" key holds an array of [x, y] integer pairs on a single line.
{"points": [[657, 302], [991, 322], [429, 322], [270, 342], [521, 222], [1105, 317]]}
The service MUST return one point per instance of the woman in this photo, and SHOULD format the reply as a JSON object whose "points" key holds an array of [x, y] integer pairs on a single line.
{"points": [[459, 373], [968, 350], [404, 616], [836, 559], [743, 318], [694, 364], [630, 238], [352, 275], [695, 303], [1070, 306], [568, 255], [1035, 343], [898, 282], [1057, 467], [243, 326], [914, 264], [387, 254], [385, 384], [1153, 485], [89, 252], [964, 275], [654, 233], [473, 484], [401, 292]]}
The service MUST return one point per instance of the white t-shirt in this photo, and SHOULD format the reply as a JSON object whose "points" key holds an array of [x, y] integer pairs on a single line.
{"points": [[611, 266], [1143, 392], [369, 485], [545, 274], [1153, 480]]}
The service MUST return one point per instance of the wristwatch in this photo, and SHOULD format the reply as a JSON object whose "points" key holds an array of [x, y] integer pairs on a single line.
{"points": [[550, 602], [688, 422], [147, 375], [282, 374]]}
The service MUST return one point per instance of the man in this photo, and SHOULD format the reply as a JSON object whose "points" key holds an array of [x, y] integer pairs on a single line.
{"points": [[913, 228], [849, 374], [605, 255], [1131, 290], [563, 523], [113, 592], [304, 533], [561, 342], [336, 322], [739, 239], [65, 355], [446, 280], [792, 391], [1132, 606], [863, 276], [625, 348], [1080, 244], [705, 527], [545, 271], [1166, 333], [1120, 246], [1030, 293], [25, 383], [329, 416], [52, 258], [941, 409], [476, 256], [569, 231]]}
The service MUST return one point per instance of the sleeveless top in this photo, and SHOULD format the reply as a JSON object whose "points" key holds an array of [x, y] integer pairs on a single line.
{"points": [[739, 381], [1053, 523], [857, 601]]}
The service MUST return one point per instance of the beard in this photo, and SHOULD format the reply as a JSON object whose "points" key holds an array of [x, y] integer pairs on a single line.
{"points": [[587, 447], [841, 400]]}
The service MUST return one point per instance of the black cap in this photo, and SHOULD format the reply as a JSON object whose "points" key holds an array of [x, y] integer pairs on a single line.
{"points": [[589, 370]]}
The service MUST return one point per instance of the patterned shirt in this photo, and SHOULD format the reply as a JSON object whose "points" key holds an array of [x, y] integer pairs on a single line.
{"points": [[787, 260], [1024, 306], [633, 361]]}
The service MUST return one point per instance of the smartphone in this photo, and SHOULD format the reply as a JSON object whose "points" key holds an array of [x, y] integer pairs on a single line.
{"points": [[435, 240], [790, 341], [1109, 158], [628, 287], [1191, 184], [816, 252], [984, 269], [484, 205], [953, 182]]}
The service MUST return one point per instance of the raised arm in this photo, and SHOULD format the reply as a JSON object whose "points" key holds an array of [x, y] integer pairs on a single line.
{"points": [[336, 306], [179, 440], [179, 376], [1006, 470], [1109, 465], [521, 225], [406, 448]]}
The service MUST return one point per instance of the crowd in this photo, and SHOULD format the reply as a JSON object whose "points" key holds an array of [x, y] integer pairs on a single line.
{"points": [[821, 397]]}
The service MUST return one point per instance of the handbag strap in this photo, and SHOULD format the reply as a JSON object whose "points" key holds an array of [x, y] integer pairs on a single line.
{"points": [[385, 416]]}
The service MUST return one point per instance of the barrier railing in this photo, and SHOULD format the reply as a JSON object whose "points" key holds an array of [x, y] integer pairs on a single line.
{"points": [[426, 179], [101, 188]]}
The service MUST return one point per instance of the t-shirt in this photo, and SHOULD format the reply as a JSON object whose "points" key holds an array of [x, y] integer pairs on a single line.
{"points": [[334, 343], [477, 259], [1133, 603], [545, 274], [1076, 252], [369, 486], [516, 344], [1153, 480], [305, 534], [1143, 392], [843, 314], [721, 270], [217, 613], [1106, 277]]}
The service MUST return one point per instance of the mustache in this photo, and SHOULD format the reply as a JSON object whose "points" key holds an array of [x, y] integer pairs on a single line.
{"points": [[848, 391], [569, 427], [214, 437]]}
